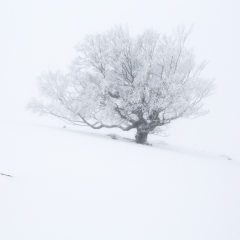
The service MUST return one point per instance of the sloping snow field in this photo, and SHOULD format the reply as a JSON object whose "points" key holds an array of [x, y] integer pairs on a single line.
{"points": [[71, 185]]}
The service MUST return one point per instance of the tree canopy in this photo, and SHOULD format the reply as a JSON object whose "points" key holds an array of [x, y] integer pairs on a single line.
{"points": [[119, 81]]}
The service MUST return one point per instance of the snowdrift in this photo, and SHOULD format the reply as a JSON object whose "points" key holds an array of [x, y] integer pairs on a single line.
{"points": [[69, 184]]}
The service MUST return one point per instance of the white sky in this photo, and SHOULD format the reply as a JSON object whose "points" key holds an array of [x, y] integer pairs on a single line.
{"points": [[41, 35]]}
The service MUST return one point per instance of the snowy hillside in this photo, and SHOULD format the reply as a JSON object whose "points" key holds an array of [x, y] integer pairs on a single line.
{"points": [[68, 184]]}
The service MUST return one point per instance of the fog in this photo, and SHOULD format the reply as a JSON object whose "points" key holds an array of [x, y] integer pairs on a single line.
{"points": [[37, 36]]}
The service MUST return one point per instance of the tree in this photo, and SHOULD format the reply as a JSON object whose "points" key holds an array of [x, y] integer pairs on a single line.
{"points": [[118, 81]]}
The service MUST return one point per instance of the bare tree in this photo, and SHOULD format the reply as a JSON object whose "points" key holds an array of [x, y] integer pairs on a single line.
{"points": [[117, 81]]}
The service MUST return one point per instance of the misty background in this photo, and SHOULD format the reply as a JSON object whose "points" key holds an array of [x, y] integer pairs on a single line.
{"points": [[38, 36]]}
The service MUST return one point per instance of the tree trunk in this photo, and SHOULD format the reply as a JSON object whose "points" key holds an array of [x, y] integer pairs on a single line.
{"points": [[141, 136]]}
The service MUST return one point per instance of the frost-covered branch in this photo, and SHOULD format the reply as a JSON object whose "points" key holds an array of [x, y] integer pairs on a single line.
{"points": [[118, 81]]}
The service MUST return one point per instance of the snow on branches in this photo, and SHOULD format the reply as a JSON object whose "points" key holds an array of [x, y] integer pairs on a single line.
{"points": [[124, 82]]}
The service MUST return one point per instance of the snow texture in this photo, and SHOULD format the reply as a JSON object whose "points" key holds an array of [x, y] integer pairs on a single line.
{"points": [[69, 184]]}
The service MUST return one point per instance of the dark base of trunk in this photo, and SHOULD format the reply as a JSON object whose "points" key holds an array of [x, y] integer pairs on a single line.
{"points": [[141, 137]]}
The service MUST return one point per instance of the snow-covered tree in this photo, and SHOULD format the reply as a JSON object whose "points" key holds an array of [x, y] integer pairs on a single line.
{"points": [[118, 81]]}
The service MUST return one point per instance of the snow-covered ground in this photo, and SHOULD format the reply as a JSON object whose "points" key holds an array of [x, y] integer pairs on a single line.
{"points": [[74, 183], [77, 184]]}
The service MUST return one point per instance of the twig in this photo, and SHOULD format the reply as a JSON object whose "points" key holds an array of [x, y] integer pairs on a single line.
{"points": [[5, 175]]}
